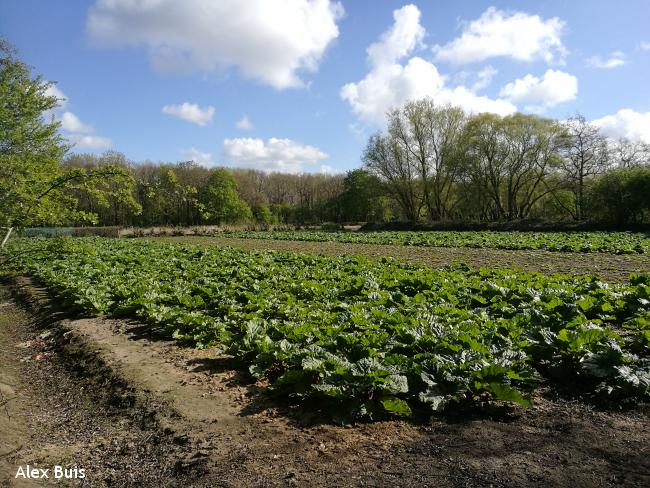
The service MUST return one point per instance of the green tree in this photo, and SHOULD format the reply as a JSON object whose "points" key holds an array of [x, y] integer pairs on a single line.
{"points": [[363, 198], [621, 196], [34, 186], [221, 201], [430, 137], [165, 199], [283, 213], [113, 205], [262, 213], [510, 160]]}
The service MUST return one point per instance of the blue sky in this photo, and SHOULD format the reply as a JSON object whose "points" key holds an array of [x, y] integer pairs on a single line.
{"points": [[167, 81]]}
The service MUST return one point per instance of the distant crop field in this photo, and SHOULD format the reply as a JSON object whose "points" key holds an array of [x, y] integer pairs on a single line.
{"points": [[365, 338], [583, 242], [608, 267]]}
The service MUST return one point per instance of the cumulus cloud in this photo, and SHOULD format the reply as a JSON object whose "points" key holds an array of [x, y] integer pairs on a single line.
{"points": [[244, 123], [390, 83], [82, 141], [496, 33], [273, 154], [627, 123], [71, 123], [62, 102], [74, 130], [53, 91], [402, 38], [484, 78], [552, 88], [614, 60], [191, 112], [470, 101], [268, 41], [193, 154]]}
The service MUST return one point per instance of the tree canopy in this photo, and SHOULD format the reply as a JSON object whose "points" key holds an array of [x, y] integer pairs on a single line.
{"points": [[34, 186], [439, 163], [221, 201], [431, 163]]}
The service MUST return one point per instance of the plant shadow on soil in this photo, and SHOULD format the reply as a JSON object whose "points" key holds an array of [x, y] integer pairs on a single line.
{"points": [[562, 441], [303, 413], [307, 413], [310, 413]]}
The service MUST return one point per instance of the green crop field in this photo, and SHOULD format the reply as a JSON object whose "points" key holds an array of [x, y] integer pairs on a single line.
{"points": [[365, 339], [585, 242]]}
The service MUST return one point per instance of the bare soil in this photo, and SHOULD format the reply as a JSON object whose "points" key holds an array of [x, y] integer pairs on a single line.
{"points": [[65, 408], [137, 410], [610, 267]]}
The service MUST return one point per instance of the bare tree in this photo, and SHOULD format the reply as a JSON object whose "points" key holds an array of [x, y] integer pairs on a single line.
{"points": [[629, 154], [279, 189], [250, 184], [392, 163], [584, 155]]}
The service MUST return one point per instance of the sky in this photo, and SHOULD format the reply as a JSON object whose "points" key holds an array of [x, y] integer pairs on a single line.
{"points": [[300, 85]]}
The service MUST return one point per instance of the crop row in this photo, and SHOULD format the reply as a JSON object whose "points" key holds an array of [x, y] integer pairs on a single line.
{"points": [[585, 242], [365, 338]]}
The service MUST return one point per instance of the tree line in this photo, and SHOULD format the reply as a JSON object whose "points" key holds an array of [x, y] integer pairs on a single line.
{"points": [[439, 163], [187, 193], [431, 164]]}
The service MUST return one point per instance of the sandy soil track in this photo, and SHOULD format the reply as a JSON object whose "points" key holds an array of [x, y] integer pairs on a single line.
{"points": [[137, 410], [66, 408]]}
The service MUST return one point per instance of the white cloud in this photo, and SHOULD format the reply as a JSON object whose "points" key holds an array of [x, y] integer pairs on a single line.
{"points": [[496, 33], [191, 112], [388, 87], [628, 123], [470, 101], [74, 130], [267, 41], [644, 46], [71, 123], [402, 38], [244, 123], [390, 84], [615, 59], [552, 88], [273, 154], [193, 154], [484, 78], [53, 91], [82, 141]]}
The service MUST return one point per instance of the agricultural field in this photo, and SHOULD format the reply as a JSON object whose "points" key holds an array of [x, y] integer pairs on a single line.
{"points": [[245, 355], [198, 287], [366, 339], [576, 242], [609, 267]]}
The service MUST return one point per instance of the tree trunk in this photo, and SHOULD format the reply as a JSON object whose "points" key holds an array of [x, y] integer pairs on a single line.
{"points": [[6, 237]]}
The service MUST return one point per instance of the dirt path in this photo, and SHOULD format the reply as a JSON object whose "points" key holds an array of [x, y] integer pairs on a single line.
{"points": [[610, 267], [73, 414], [136, 410]]}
